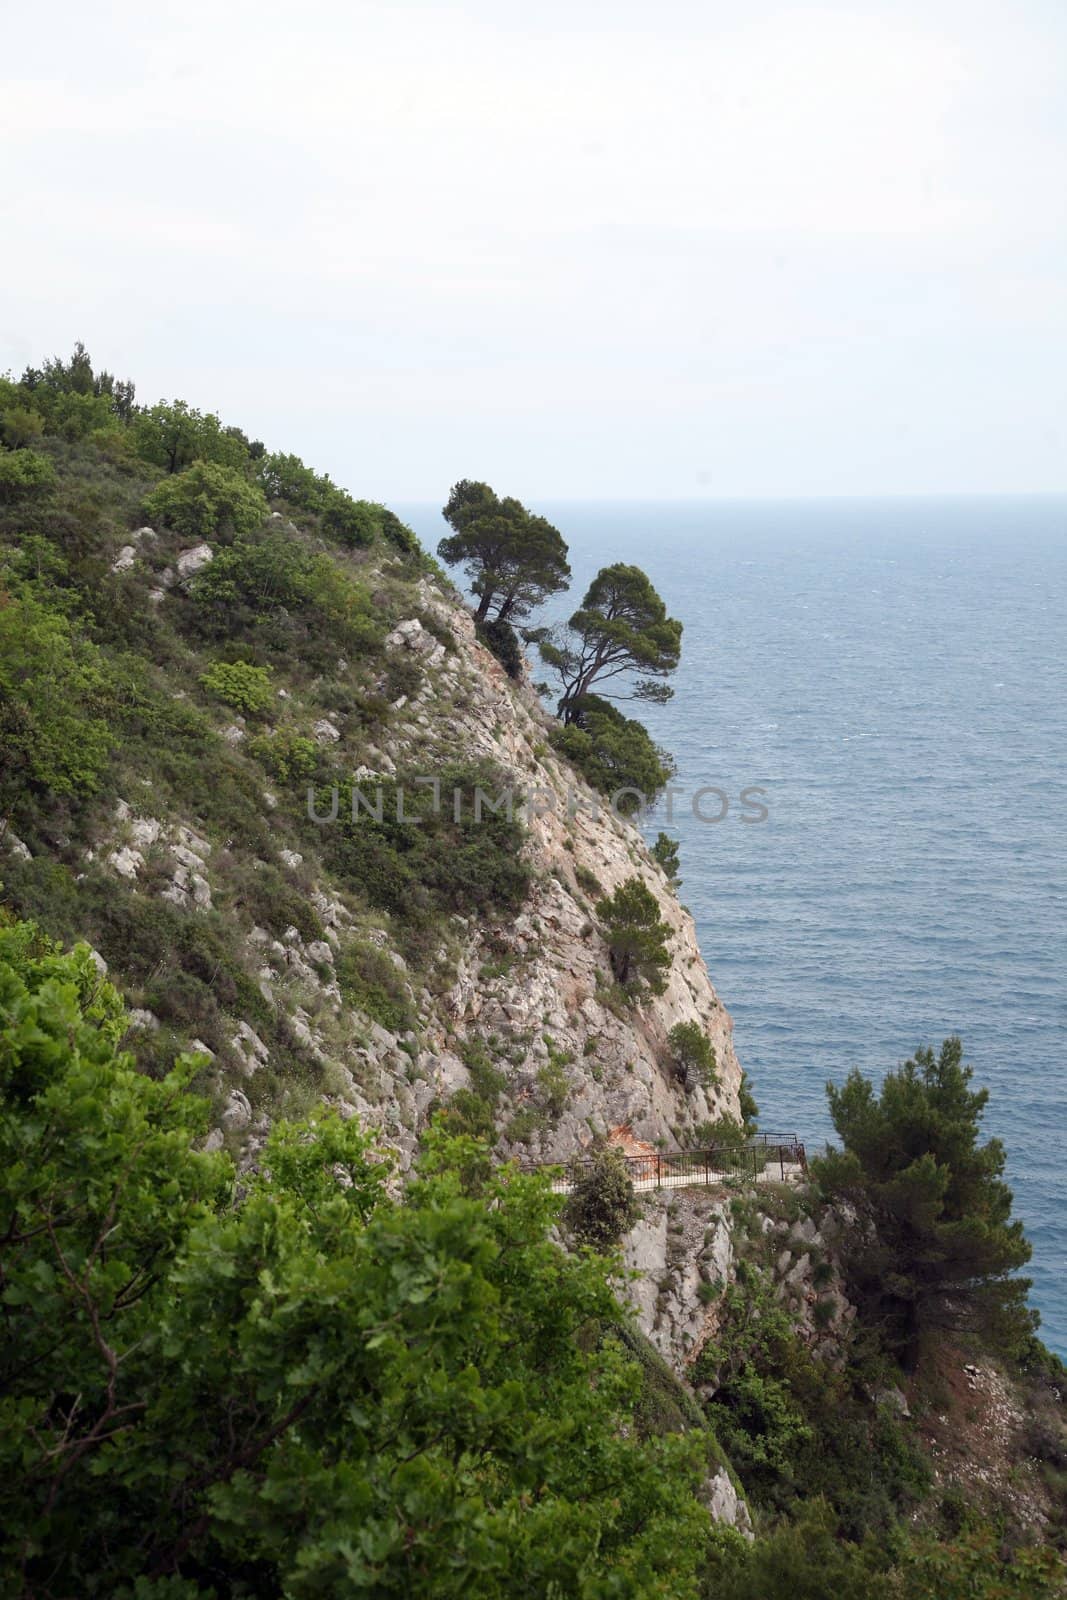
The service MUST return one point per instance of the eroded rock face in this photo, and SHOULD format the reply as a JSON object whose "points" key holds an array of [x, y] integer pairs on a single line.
{"points": [[190, 562], [725, 1504], [534, 993], [683, 1250]]}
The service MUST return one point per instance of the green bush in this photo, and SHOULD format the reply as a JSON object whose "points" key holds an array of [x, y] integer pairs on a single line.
{"points": [[615, 753], [693, 1054], [304, 1386], [371, 983], [54, 694], [24, 472], [796, 1428], [173, 435], [238, 684], [601, 1206], [418, 862], [636, 937], [287, 755], [207, 500], [295, 600], [665, 853], [21, 426]]}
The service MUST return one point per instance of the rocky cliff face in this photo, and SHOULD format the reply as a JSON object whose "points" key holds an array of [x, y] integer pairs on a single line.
{"points": [[552, 997], [533, 993]]}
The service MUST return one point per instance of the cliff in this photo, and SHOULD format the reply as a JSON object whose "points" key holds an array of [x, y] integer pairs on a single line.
{"points": [[158, 862]]}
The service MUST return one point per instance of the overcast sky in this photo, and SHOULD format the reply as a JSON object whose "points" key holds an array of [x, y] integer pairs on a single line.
{"points": [[606, 250]]}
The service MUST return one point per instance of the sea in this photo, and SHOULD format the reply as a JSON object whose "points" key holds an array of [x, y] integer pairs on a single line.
{"points": [[891, 676]]}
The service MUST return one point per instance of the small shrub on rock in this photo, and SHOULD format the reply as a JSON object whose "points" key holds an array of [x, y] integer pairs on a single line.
{"points": [[693, 1055], [601, 1206], [239, 684], [636, 936]]}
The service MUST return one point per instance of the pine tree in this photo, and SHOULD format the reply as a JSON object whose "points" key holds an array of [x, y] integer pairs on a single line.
{"points": [[941, 1251]]}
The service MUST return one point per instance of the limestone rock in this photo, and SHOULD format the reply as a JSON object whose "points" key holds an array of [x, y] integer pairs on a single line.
{"points": [[193, 561]]}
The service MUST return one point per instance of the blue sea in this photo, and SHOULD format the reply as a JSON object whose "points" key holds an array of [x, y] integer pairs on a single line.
{"points": [[893, 675]]}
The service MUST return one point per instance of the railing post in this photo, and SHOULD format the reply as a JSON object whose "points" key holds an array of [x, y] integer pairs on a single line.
{"points": [[659, 1171]]}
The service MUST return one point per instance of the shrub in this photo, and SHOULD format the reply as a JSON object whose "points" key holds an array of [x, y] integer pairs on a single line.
{"points": [[552, 1079], [636, 937], [239, 684], [180, 1371], [588, 881], [693, 1055], [172, 435], [24, 472], [418, 862], [286, 755], [370, 982], [21, 426], [615, 753], [665, 852], [295, 600], [54, 687], [206, 500], [601, 1206]]}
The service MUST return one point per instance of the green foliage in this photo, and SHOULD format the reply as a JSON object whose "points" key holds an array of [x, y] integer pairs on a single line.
{"points": [[24, 472], [601, 1206], [747, 1105], [693, 1055], [371, 983], [588, 881], [665, 852], [207, 499], [21, 426], [71, 401], [173, 435], [665, 1404], [53, 690], [798, 1560], [636, 937], [552, 1079], [513, 560], [796, 1428], [291, 598], [355, 523], [615, 754], [943, 1250], [239, 684], [501, 640], [417, 861], [317, 1391], [287, 755], [974, 1567], [721, 1133], [621, 628]]}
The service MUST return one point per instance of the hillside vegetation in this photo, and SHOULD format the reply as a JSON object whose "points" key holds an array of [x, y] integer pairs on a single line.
{"points": [[279, 1314]]}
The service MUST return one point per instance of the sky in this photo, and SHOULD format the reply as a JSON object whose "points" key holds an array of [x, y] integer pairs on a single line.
{"points": [[580, 250]]}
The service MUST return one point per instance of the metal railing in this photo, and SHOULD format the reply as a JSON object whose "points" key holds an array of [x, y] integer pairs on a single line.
{"points": [[757, 1158]]}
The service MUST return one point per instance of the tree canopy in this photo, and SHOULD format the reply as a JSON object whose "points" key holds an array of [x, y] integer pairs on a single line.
{"points": [[943, 1250], [616, 754], [301, 1386], [513, 559], [621, 629], [206, 498], [636, 936]]}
